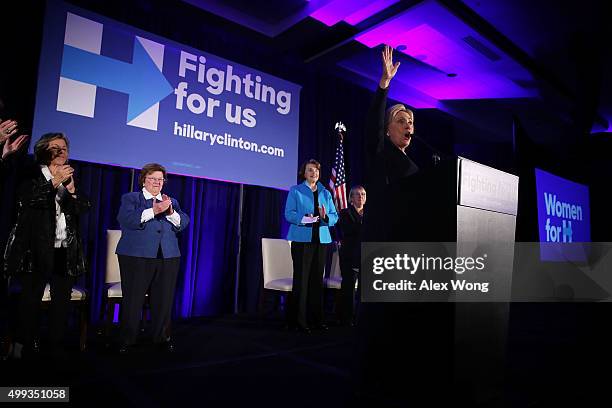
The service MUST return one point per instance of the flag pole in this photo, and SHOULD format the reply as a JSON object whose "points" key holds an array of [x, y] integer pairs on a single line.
{"points": [[337, 181]]}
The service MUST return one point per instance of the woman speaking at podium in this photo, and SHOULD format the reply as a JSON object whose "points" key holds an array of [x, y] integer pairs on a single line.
{"points": [[310, 210], [394, 336], [387, 137]]}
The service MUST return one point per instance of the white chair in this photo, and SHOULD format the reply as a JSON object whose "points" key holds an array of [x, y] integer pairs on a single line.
{"points": [[112, 278], [79, 298], [334, 280], [114, 295], [77, 294], [277, 267]]}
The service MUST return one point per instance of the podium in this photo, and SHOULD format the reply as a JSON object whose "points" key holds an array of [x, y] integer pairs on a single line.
{"points": [[475, 206], [460, 341], [458, 200]]}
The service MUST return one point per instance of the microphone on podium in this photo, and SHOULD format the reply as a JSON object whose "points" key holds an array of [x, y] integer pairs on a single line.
{"points": [[436, 155]]}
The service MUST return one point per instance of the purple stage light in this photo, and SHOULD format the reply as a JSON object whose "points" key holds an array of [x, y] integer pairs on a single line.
{"points": [[337, 10], [456, 62], [368, 11], [368, 75]]}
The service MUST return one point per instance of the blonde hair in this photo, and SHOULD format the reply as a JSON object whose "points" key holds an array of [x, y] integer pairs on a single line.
{"points": [[393, 111], [354, 189]]}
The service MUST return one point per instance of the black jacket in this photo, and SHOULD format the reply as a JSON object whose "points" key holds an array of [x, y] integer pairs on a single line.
{"points": [[349, 224], [30, 247], [386, 171]]}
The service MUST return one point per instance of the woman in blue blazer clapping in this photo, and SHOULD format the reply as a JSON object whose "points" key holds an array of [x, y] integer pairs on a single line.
{"points": [[149, 256], [310, 210]]}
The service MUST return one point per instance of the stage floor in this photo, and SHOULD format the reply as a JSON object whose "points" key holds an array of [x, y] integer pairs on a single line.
{"points": [[238, 361]]}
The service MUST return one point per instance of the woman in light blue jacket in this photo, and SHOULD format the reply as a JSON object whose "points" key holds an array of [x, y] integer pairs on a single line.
{"points": [[310, 210]]}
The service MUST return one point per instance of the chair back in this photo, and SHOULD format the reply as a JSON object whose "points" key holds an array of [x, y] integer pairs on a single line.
{"points": [[277, 262], [335, 264], [112, 262]]}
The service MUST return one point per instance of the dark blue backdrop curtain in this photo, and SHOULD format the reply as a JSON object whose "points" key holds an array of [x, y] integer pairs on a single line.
{"points": [[209, 246], [262, 218], [104, 186]]}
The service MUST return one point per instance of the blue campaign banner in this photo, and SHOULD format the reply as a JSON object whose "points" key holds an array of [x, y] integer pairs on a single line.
{"points": [[126, 97], [564, 216]]}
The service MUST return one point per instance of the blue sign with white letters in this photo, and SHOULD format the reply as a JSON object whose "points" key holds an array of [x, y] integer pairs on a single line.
{"points": [[126, 97], [564, 216]]}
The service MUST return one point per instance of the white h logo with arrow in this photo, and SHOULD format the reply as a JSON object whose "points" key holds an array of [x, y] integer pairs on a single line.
{"points": [[84, 69]]}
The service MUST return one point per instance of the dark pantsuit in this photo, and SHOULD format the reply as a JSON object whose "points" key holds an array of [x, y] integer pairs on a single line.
{"points": [[306, 308], [137, 275], [33, 287], [347, 290]]}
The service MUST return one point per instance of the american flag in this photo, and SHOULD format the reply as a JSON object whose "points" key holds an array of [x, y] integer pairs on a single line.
{"points": [[337, 181]]}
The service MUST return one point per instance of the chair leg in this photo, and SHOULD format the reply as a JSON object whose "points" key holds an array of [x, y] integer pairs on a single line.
{"points": [[110, 314], [336, 303], [288, 300], [278, 301], [145, 315], [168, 330], [84, 321], [260, 306], [263, 301], [103, 309]]}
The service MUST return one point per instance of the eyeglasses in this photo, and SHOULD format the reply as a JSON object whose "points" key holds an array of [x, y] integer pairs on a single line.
{"points": [[155, 179]]}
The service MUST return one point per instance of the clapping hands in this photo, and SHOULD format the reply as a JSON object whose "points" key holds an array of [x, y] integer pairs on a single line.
{"points": [[12, 147], [164, 206], [322, 212], [61, 174], [170, 210], [7, 129]]}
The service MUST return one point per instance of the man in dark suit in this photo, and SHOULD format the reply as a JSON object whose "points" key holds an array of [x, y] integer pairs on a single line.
{"points": [[149, 255]]}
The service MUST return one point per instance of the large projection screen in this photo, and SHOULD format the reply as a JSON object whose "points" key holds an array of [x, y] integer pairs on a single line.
{"points": [[126, 97]]}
